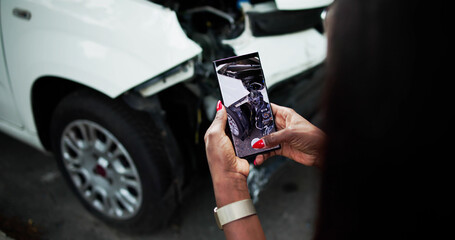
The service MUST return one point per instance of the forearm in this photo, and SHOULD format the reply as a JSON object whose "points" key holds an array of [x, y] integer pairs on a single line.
{"points": [[233, 189], [245, 228]]}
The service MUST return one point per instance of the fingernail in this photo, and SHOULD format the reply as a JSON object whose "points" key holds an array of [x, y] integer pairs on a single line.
{"points": [[255, 162], [259, 144], [219, 106]]}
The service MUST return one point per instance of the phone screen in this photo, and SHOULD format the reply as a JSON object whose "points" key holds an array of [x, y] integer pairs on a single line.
{"points": [[244, 95]]}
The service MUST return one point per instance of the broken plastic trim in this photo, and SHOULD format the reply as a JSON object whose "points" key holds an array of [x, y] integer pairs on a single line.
{"points": [[282, 22], [167, 79]]}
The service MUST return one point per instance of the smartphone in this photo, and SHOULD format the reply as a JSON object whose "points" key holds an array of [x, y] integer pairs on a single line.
{"points": [[244, 95]]}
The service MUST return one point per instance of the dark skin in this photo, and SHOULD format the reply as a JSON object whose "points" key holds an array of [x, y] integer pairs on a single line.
{"points": [[229, 174], [300, 141]]}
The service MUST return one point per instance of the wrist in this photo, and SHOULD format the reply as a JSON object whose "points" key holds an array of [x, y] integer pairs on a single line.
{"points": [[230, 188]]}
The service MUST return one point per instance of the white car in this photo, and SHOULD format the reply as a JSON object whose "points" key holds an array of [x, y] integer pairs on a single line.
{"points": [[120, 91]]}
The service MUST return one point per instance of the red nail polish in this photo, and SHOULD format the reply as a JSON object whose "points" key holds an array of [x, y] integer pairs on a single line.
{"points": [[255, 162], [259, 144], [219, 106]]}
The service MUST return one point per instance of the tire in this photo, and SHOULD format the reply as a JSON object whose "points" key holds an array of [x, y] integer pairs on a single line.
{"points": [[113, 159], [235, 125], [239, 124]]}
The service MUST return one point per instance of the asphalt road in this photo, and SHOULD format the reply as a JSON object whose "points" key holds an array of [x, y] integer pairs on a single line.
{"points": [[35, 203]]}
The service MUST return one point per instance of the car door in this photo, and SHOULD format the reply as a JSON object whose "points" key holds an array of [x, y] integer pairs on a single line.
{"points": [[8, 111]]}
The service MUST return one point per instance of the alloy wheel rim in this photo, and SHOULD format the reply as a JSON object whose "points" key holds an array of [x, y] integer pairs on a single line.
{"points": [[233, 126], [101, 169]]}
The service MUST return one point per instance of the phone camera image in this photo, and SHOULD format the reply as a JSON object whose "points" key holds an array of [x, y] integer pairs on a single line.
{"points": [[244, 94]]}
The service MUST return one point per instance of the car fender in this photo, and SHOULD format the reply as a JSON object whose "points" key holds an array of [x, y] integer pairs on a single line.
{"points": [[110, 46]]}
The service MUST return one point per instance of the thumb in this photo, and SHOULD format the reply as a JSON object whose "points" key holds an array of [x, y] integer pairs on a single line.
{"points": [[276, 138], [220, 117], [218, 125]]}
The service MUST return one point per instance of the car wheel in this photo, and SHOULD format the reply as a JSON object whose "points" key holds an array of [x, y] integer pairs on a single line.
{"points": [[236, 126], [114, 161]]}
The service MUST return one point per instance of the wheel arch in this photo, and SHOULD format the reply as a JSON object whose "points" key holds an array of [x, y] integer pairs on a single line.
{"points": [[44, 102]]}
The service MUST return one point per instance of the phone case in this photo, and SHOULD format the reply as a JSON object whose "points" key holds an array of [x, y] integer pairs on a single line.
{"points": [[244, 94]]}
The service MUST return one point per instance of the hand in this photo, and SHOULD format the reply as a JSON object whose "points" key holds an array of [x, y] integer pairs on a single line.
{"points": [[300, 140], [229, 172]]}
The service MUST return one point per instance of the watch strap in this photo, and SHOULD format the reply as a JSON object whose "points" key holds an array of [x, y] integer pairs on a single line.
{"points": [[234, 211]]}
